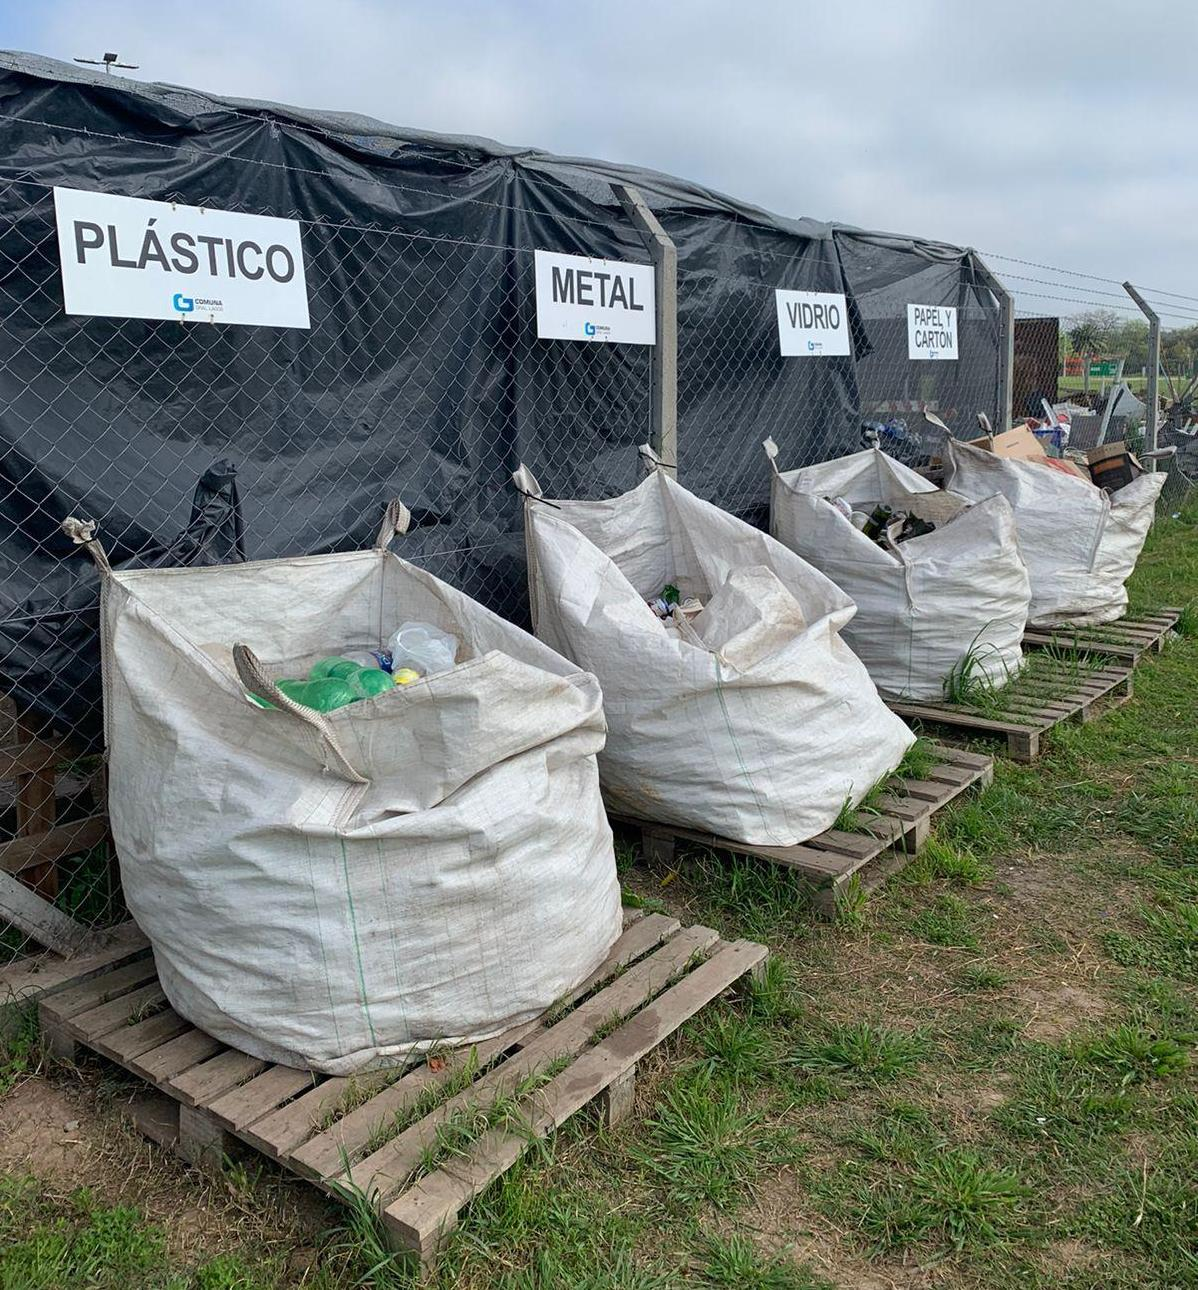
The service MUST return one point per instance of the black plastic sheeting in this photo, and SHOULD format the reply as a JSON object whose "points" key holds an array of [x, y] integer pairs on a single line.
{"points": [[421, 376]]}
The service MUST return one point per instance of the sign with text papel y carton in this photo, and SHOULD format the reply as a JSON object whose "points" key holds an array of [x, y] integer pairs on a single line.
{"points": [[605, 301], [129, 257], [931, 332], [812, 324]]}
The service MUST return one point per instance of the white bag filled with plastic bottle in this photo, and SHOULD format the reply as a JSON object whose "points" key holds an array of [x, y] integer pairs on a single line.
{"points": [[1080, 543], [752, 720], [341, 890], [955, 599]]}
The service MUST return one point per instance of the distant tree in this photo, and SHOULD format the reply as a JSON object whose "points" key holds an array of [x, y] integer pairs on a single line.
{"points": [[1094, 331]]}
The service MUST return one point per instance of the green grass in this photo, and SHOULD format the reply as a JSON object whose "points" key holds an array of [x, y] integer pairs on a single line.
{"points": [[861, 1049], [20, 1046], [704, 1144], [735, 1263], [52, 1242]]}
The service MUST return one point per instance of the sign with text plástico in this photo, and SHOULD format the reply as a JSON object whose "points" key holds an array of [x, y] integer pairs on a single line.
{"points": [[605, 301], [129, 257], [812, 324], [931, 332]]}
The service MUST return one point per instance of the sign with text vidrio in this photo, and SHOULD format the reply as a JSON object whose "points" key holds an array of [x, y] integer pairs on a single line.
{"points": [[812, 324], [608, 301], [931, 332], [128, 257]]}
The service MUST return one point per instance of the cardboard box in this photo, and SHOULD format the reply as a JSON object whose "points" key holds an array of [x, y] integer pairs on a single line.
{"points": [[1112, 467], [1019, 444]]}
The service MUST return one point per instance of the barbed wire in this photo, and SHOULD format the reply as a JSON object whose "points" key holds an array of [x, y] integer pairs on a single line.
{"points": [[1075, 273]]}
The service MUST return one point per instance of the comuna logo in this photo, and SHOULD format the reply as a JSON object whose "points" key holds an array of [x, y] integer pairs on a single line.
{"points": [[184, 304], [589, 329]]}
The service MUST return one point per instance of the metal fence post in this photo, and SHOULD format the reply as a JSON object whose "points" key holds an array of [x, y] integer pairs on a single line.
{"points": [[663, 430], [1154, 368], [1006, 346]]}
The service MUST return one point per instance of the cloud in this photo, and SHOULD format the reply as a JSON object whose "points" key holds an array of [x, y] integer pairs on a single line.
{"points": [[1037, 130]]}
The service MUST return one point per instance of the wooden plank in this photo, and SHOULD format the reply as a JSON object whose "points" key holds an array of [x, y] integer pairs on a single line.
{"points": [[963, 757], [952, 777], [41, 976], [207, 1081], [900, 808], [37, 813], [801, 857], [127, 1042], [27, 853], [388, 1168], [252, 1100], [349, 1137], [175, 1056], [849, 844], [154, 1116], [36, 917], [286, 1130], [100, 989], [926, 790], [282, 1131], [202, 1142], [124, 1010], [29, 756], [955, 777], [960, 717], [424, 1213]]}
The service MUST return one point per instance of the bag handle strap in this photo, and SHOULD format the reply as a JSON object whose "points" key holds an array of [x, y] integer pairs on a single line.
{"points": [[526, 483], [682, 626], [650, 461], [254, 678], [396, 519], [83, 533], [771, 451]]}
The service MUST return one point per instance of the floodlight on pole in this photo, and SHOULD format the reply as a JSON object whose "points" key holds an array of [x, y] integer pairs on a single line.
{"points": [[108, 62]]}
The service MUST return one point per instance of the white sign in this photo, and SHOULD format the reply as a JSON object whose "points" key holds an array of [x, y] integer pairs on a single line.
{"points": [[931, 331], [127, 257], [812, 324], [594, 300]]}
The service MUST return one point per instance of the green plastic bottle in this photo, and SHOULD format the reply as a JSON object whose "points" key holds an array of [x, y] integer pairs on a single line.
{"points": [[366, 682], [340, 668], [326, 694]]}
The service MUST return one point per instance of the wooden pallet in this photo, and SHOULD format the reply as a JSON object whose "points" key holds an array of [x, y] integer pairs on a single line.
{"points": [[375, 1133], [31, 756], [37, 976], [1127, 638], [832, 860], [1033, 715]]}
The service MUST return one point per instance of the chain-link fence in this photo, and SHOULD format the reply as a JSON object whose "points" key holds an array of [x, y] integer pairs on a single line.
{"points": [[421, 377]]}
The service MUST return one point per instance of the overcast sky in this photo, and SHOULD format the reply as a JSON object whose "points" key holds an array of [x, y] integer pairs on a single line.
{"points": [[1049, 131]]}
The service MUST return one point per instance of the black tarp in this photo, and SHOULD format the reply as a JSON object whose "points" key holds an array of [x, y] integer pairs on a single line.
{"points": [[421, 376]]}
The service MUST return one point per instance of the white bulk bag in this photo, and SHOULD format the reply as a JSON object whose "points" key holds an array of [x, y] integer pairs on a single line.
{"points": [[754, 721], [1080, 543], [339, 890], [922, 604]]}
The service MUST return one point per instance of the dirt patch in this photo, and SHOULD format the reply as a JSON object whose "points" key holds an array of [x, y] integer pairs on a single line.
{"points": [[965, 1110], [783, 1221], [46, 1132], [1052, 1010], [67, 1130], [1062, 1258]]}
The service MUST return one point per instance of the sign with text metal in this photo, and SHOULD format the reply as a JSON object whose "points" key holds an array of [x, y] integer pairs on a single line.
{"points": [[812, 324], [129, 257], [604, 301], [931, 332]]}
